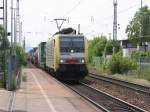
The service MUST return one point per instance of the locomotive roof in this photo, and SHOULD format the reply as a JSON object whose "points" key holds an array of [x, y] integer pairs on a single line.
{"points": [[70, 35]]}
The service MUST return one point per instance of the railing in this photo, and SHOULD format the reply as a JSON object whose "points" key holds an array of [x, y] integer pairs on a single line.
{"points": [[144, 60], [14, 72], [9, 70], [2, 68]]}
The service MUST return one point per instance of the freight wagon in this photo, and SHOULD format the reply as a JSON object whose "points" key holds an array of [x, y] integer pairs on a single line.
{"points": [[42, 55]]}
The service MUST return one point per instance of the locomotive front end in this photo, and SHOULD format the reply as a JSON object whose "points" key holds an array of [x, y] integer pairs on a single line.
{"points": [[72, 59]]}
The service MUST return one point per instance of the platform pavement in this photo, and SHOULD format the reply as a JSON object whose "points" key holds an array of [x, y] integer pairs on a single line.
{"points": [[42, 93], [4, 100]]}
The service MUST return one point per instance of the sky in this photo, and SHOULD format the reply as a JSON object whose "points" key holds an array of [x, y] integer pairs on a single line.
{"points": [[94, 16]]}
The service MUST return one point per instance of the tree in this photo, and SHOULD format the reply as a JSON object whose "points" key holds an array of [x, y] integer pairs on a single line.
{"points": [[100, 46], [109, 47], [120, 64], [4, 43], [138, 29], [96, 47], [21, 55], [2, 32]]}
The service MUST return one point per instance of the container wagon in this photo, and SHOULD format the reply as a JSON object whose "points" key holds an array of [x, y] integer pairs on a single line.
{"points": [[42, 55]]}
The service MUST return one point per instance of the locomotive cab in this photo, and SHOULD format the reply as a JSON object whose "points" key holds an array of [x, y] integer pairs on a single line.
{"points": [[72, 57]]}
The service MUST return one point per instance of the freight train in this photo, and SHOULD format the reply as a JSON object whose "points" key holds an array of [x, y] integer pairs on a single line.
{"points": [[32, 56], [42, 55], [64, 55]]}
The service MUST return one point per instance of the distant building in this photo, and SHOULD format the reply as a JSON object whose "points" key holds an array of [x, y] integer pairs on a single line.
{"points": [[128, 47]]}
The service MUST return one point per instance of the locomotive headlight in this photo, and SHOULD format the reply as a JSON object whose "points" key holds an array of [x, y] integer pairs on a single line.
{"points": [[72, 51], [61, 61], [82, 61]]}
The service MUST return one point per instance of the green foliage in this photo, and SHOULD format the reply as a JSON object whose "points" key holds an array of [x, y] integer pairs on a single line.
{"points": [[99, 46], [90, 51], [119, 64], [24, 78], [21, 54], [139, 27], [142, 54], [109, 47], [148, 54], [4, 43], [144, 72], [117, 47], [96, 47], [134, 55], [2, 32]]}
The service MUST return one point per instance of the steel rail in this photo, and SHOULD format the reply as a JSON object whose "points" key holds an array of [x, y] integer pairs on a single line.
{"points": [[136, 87], [88, 99], [103, 104]]}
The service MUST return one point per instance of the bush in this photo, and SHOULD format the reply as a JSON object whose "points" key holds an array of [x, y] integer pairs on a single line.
{"points": [[142, 54], [96, 47], [119, 64], [21, 54], [134, 55], [24, 78]]}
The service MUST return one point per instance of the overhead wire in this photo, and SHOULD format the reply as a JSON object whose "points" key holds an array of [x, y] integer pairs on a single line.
{"points": [[122, 11], [108, 17], [73, 8]]}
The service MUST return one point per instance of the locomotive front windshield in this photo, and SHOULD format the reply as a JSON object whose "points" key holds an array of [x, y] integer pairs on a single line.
{"points": [[72, 44]]}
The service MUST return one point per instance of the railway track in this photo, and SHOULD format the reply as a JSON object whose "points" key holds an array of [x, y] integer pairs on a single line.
{"points": [[138, 88], [103, 100]]}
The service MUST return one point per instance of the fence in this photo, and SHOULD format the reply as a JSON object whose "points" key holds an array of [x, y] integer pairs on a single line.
{"points": [[97, 60], [100, 60], [14, 73], [143, 70], [144, 60], [3, 66], [9, 70]]}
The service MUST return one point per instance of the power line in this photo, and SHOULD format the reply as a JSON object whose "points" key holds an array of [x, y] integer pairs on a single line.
{"points": [[110, 17], [122, 11], [73, 8]]}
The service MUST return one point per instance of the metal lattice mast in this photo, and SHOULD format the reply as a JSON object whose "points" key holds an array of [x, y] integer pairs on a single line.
{"points": [[18, 23], [115, 21], [20, 33], [3, 10], [141, 3], [3, 19]]}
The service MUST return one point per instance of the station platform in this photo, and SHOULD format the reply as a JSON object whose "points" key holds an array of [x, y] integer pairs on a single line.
{"points": [[5, 97], [43, 93]]}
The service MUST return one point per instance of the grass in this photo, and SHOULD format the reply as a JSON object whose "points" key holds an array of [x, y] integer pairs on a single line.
{"points": [[1, 84], [24, 77], [99, 68], [142, 73]]}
